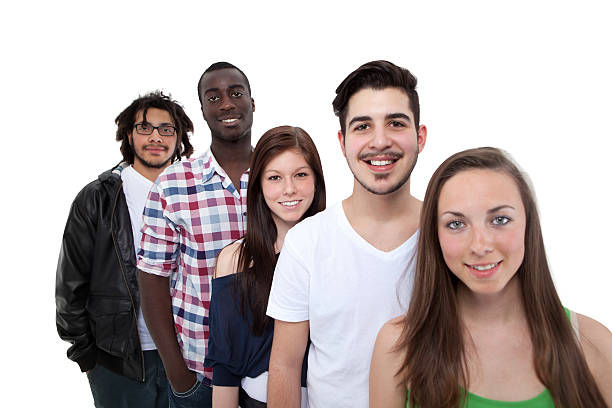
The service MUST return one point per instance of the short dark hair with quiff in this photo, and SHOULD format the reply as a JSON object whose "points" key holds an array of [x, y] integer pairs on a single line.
{"points": [[126, 119], [377, 75]]}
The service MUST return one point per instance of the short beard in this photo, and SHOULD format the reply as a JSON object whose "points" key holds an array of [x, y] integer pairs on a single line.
{"points": [[394, 187], [147, 163]]}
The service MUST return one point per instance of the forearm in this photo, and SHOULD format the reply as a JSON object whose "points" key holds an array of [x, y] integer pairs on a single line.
{"points": [[72, 283], [156, 306], [284, 386], [225, 397], [286, 358]]}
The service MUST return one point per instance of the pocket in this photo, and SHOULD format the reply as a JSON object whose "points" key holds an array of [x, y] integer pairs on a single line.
{"points": [[112, 324], [189, 392]]}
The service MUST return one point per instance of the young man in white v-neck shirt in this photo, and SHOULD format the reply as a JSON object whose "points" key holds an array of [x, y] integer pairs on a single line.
{"points": [[347, 270], [97, 293]]}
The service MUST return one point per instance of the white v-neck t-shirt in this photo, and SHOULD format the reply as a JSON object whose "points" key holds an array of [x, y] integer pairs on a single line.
{"points": [[347, 289], [136, 189]]}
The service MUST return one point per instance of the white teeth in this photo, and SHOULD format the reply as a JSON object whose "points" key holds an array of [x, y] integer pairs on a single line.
{"points": [[290, 203], [229, 120], [484, 267], [380, 162]]}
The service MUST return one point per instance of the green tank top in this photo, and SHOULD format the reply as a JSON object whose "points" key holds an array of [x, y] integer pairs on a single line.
{"points": [[543, 400]]}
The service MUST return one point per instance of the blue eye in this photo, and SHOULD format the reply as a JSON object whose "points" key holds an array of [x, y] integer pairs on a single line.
{"points": [[455, 225], [500, 220]]}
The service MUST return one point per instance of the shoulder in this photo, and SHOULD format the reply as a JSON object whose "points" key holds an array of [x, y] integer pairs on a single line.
{"points": [[227, 261], [312, 226], [390, 334], [596, 342], [386, 386], [181, 170], [98, 188]]}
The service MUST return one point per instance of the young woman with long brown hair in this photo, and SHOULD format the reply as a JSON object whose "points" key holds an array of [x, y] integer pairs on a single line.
{"points": [[485, 326], [286, 185]]}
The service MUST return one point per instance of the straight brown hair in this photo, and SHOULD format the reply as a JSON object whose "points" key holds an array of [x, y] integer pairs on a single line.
{"points": [[257, 259], [435, 367]]}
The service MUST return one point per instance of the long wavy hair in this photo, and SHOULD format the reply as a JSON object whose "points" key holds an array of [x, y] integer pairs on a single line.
{"points": [[257, 259], [435, 366]]}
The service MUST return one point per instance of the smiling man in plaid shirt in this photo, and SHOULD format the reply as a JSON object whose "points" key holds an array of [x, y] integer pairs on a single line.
{"points": [[195, 208]]}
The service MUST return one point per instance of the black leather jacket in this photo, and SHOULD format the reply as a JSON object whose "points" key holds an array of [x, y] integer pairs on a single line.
{"points": [[96, 291]]}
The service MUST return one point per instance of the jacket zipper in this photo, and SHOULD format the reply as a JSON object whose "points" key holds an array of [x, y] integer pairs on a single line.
{"points": [[123, 275]]}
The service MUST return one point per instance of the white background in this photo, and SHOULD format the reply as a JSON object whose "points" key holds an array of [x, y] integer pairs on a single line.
{"points": [[533, 78]]}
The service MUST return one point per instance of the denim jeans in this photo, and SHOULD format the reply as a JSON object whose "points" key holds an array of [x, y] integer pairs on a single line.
{"points": [[198, 396], [111, 390]]}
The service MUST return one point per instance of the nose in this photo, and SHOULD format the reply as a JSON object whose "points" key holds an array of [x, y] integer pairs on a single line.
{"points": [[481, 241], [289, 187], [155, 137], [227, 104], [380, 140]]}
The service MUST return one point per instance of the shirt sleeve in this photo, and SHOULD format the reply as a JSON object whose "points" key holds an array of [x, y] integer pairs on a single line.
{"points": [[233, 351], [159, 244], [290, 292]]}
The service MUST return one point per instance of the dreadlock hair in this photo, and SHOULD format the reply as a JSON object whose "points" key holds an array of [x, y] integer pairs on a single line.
{"points": [[126, 119]]}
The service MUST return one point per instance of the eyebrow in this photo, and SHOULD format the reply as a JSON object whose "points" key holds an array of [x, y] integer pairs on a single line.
{"points": [[150, 123], [492, 210], [230, 87], [298, 169], [397, 115]]}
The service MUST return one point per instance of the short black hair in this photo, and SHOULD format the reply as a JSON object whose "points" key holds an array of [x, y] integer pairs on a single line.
{"points": [[377, 75], [221, 65], [157, 99]]}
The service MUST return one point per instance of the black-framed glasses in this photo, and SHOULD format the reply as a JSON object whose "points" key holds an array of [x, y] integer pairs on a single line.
{"points": [[147, 129]]}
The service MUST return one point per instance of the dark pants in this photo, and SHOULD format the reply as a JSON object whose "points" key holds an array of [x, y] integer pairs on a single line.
{"points": [[111, 390], [198, 396]]}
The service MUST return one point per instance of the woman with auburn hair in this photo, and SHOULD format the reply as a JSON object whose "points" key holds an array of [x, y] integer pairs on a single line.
{"points": [[286, 185], [485, 326]]}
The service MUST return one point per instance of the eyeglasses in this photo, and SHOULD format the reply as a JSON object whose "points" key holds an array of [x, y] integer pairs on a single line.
{"points": [[147, 129]]}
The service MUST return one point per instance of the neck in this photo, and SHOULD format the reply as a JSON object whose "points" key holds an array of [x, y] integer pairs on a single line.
{"points": [[232, 154], [281, 231], [384, 221], [398, 204], [491, 309], [150, 173]]}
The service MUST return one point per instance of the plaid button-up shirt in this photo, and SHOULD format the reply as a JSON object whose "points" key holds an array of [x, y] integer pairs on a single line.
{"points": [[192, 212]]}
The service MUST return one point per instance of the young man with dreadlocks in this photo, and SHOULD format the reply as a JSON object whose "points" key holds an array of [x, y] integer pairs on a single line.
{"points": [[97, 294]]}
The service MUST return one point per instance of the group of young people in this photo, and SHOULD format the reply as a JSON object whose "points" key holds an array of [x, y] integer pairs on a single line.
{"points": [[225, 281]]}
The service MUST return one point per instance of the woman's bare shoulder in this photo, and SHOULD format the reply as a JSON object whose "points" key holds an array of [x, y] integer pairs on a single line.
{"points": [[390, 333], [227, 261], [596, 342]]}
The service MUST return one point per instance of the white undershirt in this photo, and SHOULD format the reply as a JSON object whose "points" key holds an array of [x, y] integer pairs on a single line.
{"points": [[136, 188]]}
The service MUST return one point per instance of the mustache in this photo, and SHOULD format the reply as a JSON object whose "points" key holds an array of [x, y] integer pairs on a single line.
{"points": [[157, 146], [390, 153]]}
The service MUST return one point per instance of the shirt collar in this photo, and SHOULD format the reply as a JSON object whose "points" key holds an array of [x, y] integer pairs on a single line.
{"points": [[211, 166]]}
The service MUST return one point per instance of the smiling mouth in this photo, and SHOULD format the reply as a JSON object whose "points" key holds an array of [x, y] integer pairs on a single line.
{"points": [[483, 268], [380, 162], [230, 121], [289, 203], [381, 159]]}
